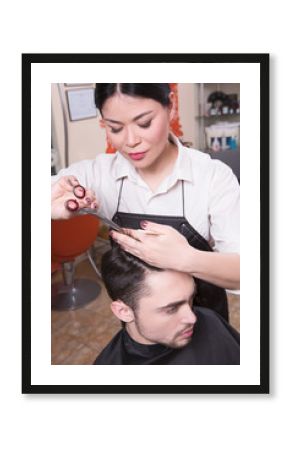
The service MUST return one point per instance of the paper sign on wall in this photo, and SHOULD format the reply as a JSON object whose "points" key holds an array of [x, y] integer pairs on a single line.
{"points": [[81, 104]]}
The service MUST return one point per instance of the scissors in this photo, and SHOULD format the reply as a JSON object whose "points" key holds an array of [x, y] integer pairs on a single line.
{"points": [[109, 222], [72, 205]]}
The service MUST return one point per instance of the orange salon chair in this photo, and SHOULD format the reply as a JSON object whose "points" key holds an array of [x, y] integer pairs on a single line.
{"points": [[69, 239]]}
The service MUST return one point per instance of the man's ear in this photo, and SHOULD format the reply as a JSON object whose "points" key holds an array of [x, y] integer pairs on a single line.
{"points": [[122, 311]]}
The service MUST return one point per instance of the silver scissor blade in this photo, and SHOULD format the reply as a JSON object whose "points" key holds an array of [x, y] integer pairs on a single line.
{"points": [[109, 222]]}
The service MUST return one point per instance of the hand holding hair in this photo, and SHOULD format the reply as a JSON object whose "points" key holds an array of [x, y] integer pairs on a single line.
{"points": [[158, 245]]}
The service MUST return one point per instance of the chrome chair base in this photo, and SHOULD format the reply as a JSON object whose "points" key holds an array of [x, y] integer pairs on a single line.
{"points": [[76, 295]]}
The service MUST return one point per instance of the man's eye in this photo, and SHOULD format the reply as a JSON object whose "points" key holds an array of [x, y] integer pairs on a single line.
{"points": [[191, 301], [116, 130], [171, 310], [146, 124]]}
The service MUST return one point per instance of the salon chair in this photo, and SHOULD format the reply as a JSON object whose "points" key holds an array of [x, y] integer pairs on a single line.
{"points": [[69, 239]]}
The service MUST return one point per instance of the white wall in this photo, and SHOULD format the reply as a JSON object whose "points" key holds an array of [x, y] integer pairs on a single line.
{"points": [[85, 137], [188, 107]]}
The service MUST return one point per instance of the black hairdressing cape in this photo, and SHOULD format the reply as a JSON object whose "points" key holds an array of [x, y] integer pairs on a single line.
{"points": [[214, 341]]}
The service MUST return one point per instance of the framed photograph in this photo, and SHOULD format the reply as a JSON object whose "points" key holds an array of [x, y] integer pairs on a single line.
{"points": [[227, 117], [81, 104]]}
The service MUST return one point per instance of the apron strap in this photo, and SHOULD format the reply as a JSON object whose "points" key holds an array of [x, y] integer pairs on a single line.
{"points": [[120, 193], [183, 213]]}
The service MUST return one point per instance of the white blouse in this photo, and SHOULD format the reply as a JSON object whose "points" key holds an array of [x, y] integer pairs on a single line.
{"points": [[211, 192]]}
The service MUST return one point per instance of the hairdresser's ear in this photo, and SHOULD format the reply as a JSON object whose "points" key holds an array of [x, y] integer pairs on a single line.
{"points": [[122, 311], [172, 106]]}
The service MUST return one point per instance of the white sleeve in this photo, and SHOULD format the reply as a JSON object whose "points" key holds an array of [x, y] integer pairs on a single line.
{"points": [[82, 170], [89, 175], [224, 209], [98, 176]]}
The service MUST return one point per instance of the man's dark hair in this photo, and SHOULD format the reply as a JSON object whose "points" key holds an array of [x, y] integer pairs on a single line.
{"points": [[156, 91], [124, 276]]}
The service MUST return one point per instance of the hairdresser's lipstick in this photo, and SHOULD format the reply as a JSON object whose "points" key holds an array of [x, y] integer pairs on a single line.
{"points": [[137, 156]]}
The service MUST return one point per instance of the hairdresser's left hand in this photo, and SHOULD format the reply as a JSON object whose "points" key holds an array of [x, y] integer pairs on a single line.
{"points": [[158, 245]]}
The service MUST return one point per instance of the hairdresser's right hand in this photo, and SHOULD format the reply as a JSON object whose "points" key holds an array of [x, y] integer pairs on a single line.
{"points": [[62, 191]]}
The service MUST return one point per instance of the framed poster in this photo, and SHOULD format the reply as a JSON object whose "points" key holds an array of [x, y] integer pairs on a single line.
{"points": [[81, 104], [251, 375]]}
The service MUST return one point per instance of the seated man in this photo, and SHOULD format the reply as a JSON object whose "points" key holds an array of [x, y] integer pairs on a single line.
{"points": [[159, 324]]}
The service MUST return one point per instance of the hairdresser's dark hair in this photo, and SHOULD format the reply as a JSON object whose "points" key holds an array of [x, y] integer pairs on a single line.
{"points": [[156, 91], [124, 276]]}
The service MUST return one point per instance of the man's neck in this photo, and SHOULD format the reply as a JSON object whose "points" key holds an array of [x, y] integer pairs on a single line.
{"points": [[135, 334]]}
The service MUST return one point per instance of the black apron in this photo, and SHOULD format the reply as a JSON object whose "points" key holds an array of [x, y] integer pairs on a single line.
{"points": [[208, 295]]}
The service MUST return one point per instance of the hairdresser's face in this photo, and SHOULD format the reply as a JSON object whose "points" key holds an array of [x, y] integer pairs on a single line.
{"points": [[165, 316], [138, 127]]}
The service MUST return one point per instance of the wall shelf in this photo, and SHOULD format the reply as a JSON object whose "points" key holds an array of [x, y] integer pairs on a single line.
{"points": [[230, 156]]}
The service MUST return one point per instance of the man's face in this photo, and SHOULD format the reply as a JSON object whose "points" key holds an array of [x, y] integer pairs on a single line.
{"points": [[165, 316]]}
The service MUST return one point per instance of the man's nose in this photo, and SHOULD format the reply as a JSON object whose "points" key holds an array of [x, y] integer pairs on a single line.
{"points": [[132, 138], [188, 316]]}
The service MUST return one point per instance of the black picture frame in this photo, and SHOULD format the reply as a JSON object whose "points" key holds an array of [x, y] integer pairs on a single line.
{"points": [[262, 60]]}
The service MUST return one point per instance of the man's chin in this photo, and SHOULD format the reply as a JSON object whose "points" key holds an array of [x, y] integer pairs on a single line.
{"points": [[182, 339], [179, 344]]}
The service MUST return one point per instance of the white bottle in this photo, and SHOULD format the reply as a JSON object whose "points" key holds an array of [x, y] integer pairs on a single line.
{"points": [[215, 146]]}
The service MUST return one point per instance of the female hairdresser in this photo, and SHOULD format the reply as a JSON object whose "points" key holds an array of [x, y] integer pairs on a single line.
{"points": [[182, 207]]}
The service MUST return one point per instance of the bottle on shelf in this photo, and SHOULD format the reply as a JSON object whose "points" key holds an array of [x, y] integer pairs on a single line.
{"points": [[215, 146]]}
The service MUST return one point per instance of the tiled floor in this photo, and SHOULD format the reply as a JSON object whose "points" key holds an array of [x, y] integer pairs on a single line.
{"points": [[77, 337]]}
